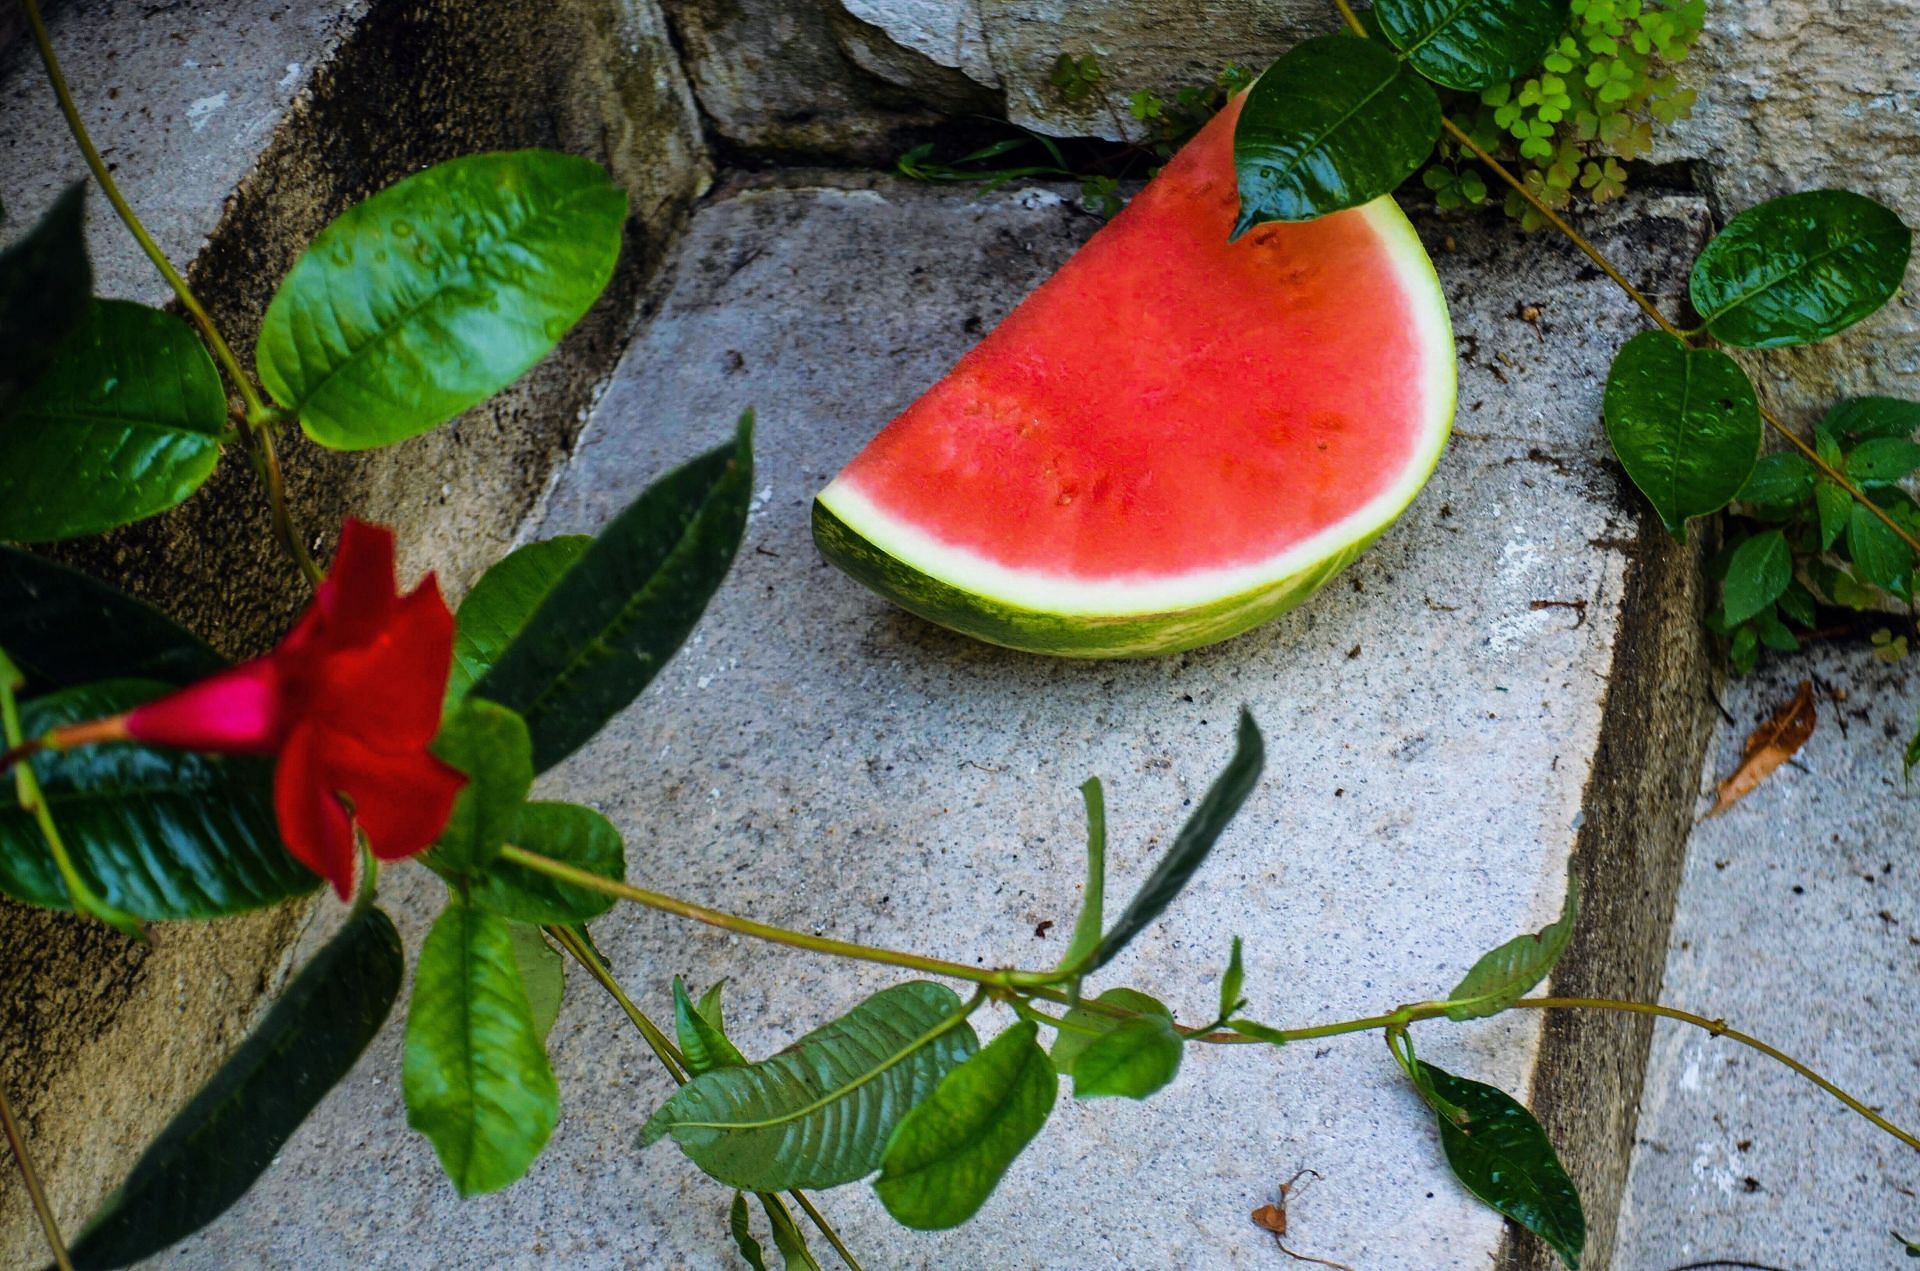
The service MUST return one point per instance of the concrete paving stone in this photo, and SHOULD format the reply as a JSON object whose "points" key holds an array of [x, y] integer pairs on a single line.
{"points": [[818, 759]]}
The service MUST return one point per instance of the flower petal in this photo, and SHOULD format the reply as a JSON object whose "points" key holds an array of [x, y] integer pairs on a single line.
{"points": [[401, 799], [389, 692], [313, 823], [237, 711], [356, 597]]}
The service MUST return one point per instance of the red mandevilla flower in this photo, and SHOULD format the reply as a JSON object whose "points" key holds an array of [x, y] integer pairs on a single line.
{"points": [[348, 701]]}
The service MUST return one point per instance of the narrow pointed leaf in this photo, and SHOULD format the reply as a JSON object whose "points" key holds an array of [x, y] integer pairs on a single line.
{"points": [[787, 1236], [1799, 268], [739, 1223], [543, 974], [1685, 424], [1259, 1032], [1860, 418], [489, 743], [46, 288], [1335, 123], [1761, 569], [819, 1113], [1084, 1026], [210, 1154], [1472, 43], [1195, 840], [1232, 982], [1504, 976], [1086, 931], [710, 1008], [437, 292], [619, 614], [62, 628], [124, 422], [703, 1043], [565, 832], [949, 1153], [475, 1074], [501, 602]]}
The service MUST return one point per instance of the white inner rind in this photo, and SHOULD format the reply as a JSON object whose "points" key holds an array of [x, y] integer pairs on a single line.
{"points": [[1053, 593]]}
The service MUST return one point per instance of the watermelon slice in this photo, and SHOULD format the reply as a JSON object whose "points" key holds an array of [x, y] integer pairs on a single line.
{"points": [[1173, 439]]}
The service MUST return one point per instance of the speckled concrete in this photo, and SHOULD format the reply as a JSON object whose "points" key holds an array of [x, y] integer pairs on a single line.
{"points": [[818, 759], [1799, 922]]}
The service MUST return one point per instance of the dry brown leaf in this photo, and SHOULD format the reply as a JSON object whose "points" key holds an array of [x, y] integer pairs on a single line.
{"points": [[1271, 1217], [1772, 744]]}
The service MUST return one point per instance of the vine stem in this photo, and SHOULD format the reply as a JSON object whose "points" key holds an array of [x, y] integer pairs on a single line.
{"points": [[35, 1193]]}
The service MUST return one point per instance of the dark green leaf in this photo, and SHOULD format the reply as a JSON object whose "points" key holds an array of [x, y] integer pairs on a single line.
{"points": [[1878, 555], [1799, 268], [499, 605], [703, 1041], [618, 615], [1830, 499], [1780, 483], [1335, 123], [948, 1154], [1796, 604], [489, 743], [1502, 1155], [1774, 633], [1262, 1032], [1744, 650], [1083, 1025], [1882, 461], [1195, 840], [211, 1152], [437, 292], [787, 1237], [819, 1113], [1502, 977], [1685, 424], [159, 834], [123, 423], [63, 628], [475, 1074], [565, 832], [1761, 569], [543, 974], [1134, 1059], [738, 1223], [1472, 43], [1232, 982], [46, 288], [1086, 931], [1862, 417]]}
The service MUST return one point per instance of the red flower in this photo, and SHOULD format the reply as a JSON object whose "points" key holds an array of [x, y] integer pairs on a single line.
{"points": [[348, 701]]}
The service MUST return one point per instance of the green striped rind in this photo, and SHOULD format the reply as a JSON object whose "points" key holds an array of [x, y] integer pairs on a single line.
{"points": [[1139, 635]]}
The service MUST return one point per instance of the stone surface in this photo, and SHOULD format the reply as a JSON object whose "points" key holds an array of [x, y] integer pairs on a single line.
{"points": [[1799, 922], [1438, 719]]}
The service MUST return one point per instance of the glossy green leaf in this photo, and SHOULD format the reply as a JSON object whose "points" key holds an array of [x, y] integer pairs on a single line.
{"points": [[62, 628], [1472, 43], [124, 422], [1086, 930], [703, 1039], [1796, 604], [159, 834], [1503, 976], [1083, 1025], [438, 292], [1882, 461], [1685, 424], [709, 1005], [1335, 123], [1779, 484], [1133, 1059], [739, 1223], [1799, 268], [1878, 555], [213, 1150], [819, 1113], [46, 288], [616, 617], [1501, 1154], [1859, 418], [475, 1073], [1195, 840], [1761, 569], [489, 743], [564, 832], [499, 605], [543, 974], [949, 1153], [1232, 982]]}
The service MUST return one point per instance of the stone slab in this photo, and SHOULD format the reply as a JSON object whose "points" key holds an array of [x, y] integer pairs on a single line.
{"points": [[1799, 922], [1437, 718]]}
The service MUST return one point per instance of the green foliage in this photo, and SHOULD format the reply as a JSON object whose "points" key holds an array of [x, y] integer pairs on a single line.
{"points": [[948, 1154], [1685, 424], [820, 1113], [1084, 1025], [1086, 929], [475, 1074], [1471, 46], [124, 421], [46, 289], [543, 974], [1231, 983], [1135, 1058], [1505, 975], [739, 1223], [500, 604], [1758, 573], [1335, 123], [158, 834], [564, 832], [214, 1149], [616, 617], [490, 744], [438, 292], [1075, 78], [63, 629], [702, 1032]]}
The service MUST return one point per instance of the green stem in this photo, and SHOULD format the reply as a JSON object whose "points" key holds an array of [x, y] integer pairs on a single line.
{"points": [[35, 1193]]}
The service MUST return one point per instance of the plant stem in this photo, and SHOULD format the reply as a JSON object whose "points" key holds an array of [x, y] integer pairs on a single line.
{"points": [[35, 1193], [819, 1220], [266, 462]]}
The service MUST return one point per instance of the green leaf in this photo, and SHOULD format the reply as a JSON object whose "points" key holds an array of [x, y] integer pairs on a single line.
{"points": [[565, 832], [709, 1006], [738, 1222], [499, 605], [1502, 1155], [1799, 268], [1502, 977], [1779, 484], [1862, 417], [1135, 1059], [63, 628], [616, 617], [159, 834], [1878, 555], [1834, 505], [1913, 1247], [1685, 424], [1761, 569], [475, 1073], [1335, 123], [1796, 603], [46, 289], [1086, 931], [1882, 461], [1472, 43], [703, 1040], [1232, 982], [949, 1153], [1083, 1026], [819, 1113], [213, 1150], [489, 743], [787, 1237], [437, 292], [1195, 840], [1260, 1032], [123, 423], [543, 974]]}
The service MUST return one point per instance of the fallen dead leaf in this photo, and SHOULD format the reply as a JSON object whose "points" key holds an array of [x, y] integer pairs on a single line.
{"points": [[1772, 744], [1271, 1217]]}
